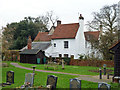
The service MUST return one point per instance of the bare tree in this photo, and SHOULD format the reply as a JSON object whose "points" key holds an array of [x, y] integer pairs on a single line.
{"points": [[108, 18], [52, 17]]}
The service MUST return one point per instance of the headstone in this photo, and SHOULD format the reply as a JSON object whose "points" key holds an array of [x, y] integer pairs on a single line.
{"points": [[103, 86], [75, 83], [52, 80], [29, 78], [100, 71], [10, 77], [62, 64]]}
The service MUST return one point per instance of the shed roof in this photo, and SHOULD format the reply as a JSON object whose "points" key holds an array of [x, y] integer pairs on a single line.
{"points": [[30, 51], [115, 46], [39, 45]]}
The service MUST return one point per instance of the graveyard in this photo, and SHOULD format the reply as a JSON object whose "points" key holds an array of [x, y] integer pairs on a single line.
{"points": [[39, 56], [40, 78]]}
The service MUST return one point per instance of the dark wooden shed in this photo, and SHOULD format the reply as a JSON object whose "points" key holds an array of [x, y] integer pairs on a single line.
{"points": [[115, 49], [32, 55]]}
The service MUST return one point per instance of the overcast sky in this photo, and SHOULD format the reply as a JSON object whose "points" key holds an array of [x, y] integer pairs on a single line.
{"points": [[66, 10]]}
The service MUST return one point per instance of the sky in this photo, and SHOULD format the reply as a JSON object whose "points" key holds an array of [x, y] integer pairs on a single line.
{"points": [[67, 10]]}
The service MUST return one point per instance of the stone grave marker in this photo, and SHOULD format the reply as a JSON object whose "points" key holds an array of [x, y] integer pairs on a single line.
{"points": [[75, 84], [103, 86], [29, 79], [52, 80], [10, 77]]}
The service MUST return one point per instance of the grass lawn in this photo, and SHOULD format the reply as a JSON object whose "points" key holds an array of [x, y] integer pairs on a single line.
{"points": [[82, 70], [41, 78]]}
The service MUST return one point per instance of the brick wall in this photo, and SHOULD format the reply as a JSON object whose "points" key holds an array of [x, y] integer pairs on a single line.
{"points": [[95, 63]]}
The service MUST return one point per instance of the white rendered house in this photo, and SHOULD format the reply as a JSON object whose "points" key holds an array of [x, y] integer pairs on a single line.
{"points": [[66, 40]]}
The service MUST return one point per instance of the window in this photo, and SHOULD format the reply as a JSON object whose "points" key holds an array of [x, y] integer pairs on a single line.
{"points": [[60, 55], [65, 44], [54, 44], [66, 55]]}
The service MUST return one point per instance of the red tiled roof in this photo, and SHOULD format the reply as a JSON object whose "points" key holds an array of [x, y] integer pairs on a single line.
{"points": [[94, 34], [63, 31], [42, 36]]}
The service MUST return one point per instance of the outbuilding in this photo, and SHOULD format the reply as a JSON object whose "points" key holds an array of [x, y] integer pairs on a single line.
{"points": [[33, 56], [115, 50]]}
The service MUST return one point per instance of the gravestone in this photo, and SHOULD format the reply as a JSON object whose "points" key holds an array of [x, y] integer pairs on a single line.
{"points": [[63, 64], [75, 83], [29, 78], [103, 86], [10, 77], [52, 80]]}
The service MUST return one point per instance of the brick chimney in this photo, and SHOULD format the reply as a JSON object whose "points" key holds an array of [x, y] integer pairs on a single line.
{"points": [[58, 22], [29, 43]]}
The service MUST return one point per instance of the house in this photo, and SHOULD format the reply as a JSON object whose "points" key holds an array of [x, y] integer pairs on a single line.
{"points": [[89, 36], [65, 40]]}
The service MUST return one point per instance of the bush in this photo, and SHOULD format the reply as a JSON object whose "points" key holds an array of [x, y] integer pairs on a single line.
{"points": [[67, 60]]}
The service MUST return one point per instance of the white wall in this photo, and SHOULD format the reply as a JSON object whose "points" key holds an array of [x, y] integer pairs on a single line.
{"points": [[91, 51], [76, 46]]}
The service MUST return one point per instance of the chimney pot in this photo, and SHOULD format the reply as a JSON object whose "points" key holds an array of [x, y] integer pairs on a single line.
{"points": [[81, 17], [58, 22]]}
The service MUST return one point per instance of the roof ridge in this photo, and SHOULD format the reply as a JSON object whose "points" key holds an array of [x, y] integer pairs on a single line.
{"points": [[69, 24], [92, 31]]}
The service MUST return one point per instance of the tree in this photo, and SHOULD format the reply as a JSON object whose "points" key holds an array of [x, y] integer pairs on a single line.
{"points": [[15, 35], [107, 17], [52, 18], [7, 36]]}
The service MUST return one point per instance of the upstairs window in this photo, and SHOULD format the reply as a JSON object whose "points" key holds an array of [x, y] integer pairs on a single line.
{"points": [[54, 44], [65, 44]]}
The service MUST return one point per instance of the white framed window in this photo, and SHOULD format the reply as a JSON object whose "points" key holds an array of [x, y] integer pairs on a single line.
{"points": [[66, 44], [54, 44]]}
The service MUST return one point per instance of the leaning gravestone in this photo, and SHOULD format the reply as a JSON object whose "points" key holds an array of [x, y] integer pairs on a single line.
{"points": [[52, 80], [103, 86], [10, 77], [29, 78], [75, 84]]}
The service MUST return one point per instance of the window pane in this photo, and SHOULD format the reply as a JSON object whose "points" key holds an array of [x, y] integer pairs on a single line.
{"points": [[65, 44], [54, 44]]}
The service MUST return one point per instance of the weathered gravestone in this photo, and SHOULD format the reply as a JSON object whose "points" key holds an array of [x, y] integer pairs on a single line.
{"points": [[10, 77], [52, 80], [75, 84], [29, 79], [103, 86]]}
